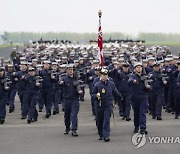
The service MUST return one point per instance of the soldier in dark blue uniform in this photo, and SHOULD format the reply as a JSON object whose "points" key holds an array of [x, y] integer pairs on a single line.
{"points": [[177, 90], [169, 87], [157, 90], [13, 88], [139, 98], [59, 87], [70, 96], [47, 87], [92, 74], [22, 85], [149, 68], [166, 87], [171, 101], [117, 66], [125, 90], [103, 93], [33, 91], [56, 99], [40, 101], [16, 61], [3, 91]]}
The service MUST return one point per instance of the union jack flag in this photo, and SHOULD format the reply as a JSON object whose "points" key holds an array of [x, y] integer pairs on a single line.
{"points": [[100, 44]]}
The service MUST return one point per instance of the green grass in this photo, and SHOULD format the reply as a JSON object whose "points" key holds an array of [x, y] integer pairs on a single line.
{"points": [[175, 44], [8, 45]]}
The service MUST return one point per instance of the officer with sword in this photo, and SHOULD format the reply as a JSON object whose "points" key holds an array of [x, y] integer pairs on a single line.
{"points": [[103, 93]]}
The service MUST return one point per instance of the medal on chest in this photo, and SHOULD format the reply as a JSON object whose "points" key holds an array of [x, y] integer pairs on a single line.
{"points": [[103, 91]]}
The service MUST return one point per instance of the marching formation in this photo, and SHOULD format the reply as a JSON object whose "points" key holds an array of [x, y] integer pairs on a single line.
{"points": [[48, 74]]}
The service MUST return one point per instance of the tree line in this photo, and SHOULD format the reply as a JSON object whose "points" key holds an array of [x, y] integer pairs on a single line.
{"points": [[24, 37]]}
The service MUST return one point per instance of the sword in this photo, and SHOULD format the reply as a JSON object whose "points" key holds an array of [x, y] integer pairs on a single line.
{"points": [[114, 118]]}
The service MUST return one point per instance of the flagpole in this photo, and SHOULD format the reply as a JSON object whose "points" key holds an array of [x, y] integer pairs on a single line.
{"points": [[100, 41]]}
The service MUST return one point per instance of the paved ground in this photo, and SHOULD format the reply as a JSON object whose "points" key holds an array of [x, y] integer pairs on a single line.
{"points": [[46, 136]]}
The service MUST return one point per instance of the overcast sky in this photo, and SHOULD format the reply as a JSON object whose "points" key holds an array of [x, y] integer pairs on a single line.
{"points": [[129, 16]]}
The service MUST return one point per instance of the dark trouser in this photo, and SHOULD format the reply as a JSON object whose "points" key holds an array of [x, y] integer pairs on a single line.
{"points": [[24, 103], [32, 101], [40, 101], [156, 103], [82, 95], [57, 99], [11, 97], [126, 107], [166, 89], [71, 110], [48, 100], [20, 94], [93, 105], [177, 104], [103, 121], [150, 102], [2, 107], [140, 107], [170, 104], [120, 105], [92, 99]]}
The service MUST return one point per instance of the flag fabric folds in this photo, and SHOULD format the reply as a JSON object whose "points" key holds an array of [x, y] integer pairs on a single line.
{"points": [[100, 44]]}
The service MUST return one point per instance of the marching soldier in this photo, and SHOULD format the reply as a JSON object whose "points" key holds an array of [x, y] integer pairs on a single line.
{"points": [[177, 90], [22, 85], [13, 88], [70, 98], [16, 61], [103, 92], [47, 87], [157, 90], [40, 101], [91, 79], [56, 86], [3, 91], [33, 90], [59, 87], [139, 98], [125, 90]]}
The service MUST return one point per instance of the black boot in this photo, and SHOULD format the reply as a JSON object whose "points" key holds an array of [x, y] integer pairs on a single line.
{"points": [[136, 130], [47, 115], [176, 117], [67, 131], [153, 117], [143, 131], [128, 119], [159, 118], [23, 117], [123, 118], [100, 138], [11, 110], [54, 112], [107, 139], [29, 121], [74, 133], [2, 121]]}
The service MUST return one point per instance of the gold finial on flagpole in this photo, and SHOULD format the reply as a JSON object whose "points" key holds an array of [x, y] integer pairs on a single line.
{"points": [[99, 13]]}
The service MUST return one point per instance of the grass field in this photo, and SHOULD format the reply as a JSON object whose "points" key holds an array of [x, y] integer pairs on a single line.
{"points": [[8, 45], [174, 44]]}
